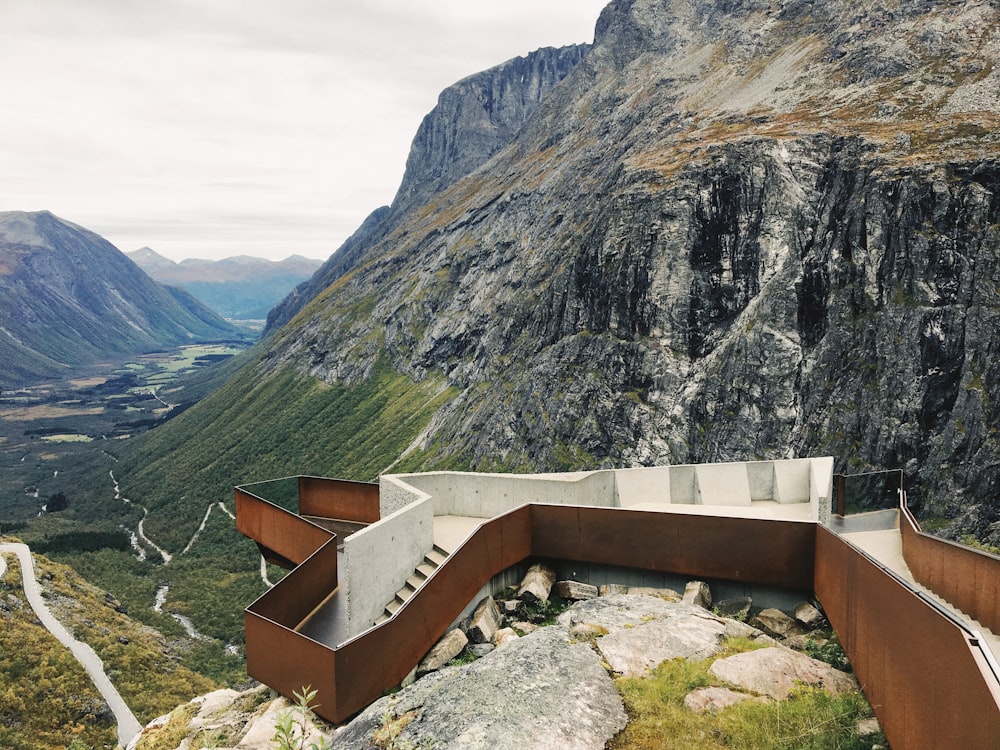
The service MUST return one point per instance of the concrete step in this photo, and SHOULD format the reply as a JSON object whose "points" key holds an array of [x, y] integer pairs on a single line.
{"points": [[421, 573], [436, 556]]}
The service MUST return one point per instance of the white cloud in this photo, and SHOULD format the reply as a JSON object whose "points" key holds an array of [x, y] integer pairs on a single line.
{"points": [[220, 127]]}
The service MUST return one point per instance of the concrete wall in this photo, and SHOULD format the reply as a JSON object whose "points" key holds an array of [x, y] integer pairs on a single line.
{"points": [[645, 485], [379, 558], [490, 495]]}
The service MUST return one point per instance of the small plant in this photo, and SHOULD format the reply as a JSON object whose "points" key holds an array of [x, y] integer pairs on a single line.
{"points": [[830, 652], [290, 728]]}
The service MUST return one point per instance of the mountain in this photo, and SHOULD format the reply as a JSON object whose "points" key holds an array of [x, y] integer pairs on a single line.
{"points": [[733, 230], [69, 298], [473, 120], [237, 288]]}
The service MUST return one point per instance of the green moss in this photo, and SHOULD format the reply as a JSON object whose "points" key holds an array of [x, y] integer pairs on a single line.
{"points": [[809, 718]]}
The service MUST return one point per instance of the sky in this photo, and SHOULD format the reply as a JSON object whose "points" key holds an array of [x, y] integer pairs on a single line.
{"points": [[213, 128]]}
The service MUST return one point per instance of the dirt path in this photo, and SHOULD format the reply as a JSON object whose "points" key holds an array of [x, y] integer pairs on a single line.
{"points": [[128, 725]]}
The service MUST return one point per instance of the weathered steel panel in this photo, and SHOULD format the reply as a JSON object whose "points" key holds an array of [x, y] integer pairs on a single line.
{"points": [[916, 666], [337, 498], [967, 578], [277, 529], [760, 551]]}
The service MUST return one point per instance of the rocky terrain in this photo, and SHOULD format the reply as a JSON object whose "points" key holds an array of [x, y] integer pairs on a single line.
{"points": [[554, 685], [738, 230], [69, 299]]}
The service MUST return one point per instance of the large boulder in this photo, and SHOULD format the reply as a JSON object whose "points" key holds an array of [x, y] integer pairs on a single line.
{"points": [[485, 622], [776, 671], [537, 584], [446, 649], [541, 691]]}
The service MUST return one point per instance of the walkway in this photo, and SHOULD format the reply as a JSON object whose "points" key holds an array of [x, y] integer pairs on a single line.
{"points": [[886, 546], [128, 725]]}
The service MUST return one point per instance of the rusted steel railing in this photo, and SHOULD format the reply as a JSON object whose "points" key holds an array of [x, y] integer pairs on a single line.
{"points": [[340, 499], [351, 675], [929, 684], [283, 537], [966, 578], [776, 553]]}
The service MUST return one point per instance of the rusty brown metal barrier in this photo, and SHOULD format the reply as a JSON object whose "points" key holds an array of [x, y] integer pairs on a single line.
{"points": [[338, 498], [928, 684], [967, 578], [290, 538], [351, 675], [776, 553]]}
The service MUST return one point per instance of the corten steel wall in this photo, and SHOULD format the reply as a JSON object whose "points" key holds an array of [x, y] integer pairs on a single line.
{"points": [[923, 678], [362, 669], [966, 578], [340, 499], [375, 661], [776, 553], [277, 529]]}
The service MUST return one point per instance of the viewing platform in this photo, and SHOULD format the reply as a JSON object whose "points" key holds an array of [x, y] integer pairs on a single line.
{"points": [[358, 611]]}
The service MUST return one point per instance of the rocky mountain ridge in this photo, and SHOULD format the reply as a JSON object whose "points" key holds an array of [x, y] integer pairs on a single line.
{"points": [[473, 119], [69, 298], [734, 230], [240, 288]]}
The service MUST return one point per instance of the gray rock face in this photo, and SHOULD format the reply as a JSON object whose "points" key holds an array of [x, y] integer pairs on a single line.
{"points": [[748, 229], [537, 692], [775, 671]]}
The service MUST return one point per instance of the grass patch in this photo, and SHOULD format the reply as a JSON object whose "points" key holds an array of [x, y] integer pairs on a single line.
{"points": [[810, 719]]}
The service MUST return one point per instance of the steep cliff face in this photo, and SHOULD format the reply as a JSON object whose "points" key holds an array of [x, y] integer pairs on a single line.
{"points": [[472, 121], [735, 230]]}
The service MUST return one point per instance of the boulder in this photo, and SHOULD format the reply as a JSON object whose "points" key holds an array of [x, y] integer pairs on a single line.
{"points": [[607, 589], [697, 594], [540, 691], [504, 637], [512, 608], [737, 609], [479, 650], [525, 627], [776, 623], [633, 652], [537, 584], [775, 671], [714, 699], [809, 615], [444, 651], [485, 622], [575, 590]]}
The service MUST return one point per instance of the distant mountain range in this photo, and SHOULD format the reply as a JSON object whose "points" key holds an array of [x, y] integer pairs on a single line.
{"points": [[69, 298], [240, 288]]}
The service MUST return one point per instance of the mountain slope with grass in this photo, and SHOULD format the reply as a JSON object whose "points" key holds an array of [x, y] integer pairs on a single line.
{"points": [[69, 298], [731, 231]]}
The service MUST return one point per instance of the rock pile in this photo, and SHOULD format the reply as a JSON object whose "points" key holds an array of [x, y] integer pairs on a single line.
{"points": [[537, 670], [553, 648]]}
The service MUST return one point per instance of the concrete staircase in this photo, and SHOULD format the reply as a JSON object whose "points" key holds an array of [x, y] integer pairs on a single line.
{"points": [[432, 560]]}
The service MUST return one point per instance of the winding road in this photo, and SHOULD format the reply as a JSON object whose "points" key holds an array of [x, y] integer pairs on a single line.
{"points": [[128, 725]]}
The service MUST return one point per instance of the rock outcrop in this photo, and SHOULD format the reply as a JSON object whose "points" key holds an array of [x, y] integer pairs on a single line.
{"points": [[553, 687], [737, 230]]}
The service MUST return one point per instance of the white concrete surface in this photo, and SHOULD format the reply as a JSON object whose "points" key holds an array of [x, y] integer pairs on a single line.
{"points": [[723, 484], [379, 558], [128, 725]]}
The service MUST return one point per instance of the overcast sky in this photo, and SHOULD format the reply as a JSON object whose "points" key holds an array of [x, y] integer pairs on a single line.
{"points": [[211, 128]]}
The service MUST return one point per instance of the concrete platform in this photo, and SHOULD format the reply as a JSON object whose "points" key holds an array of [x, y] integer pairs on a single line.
{"points": [[451, 531]]}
